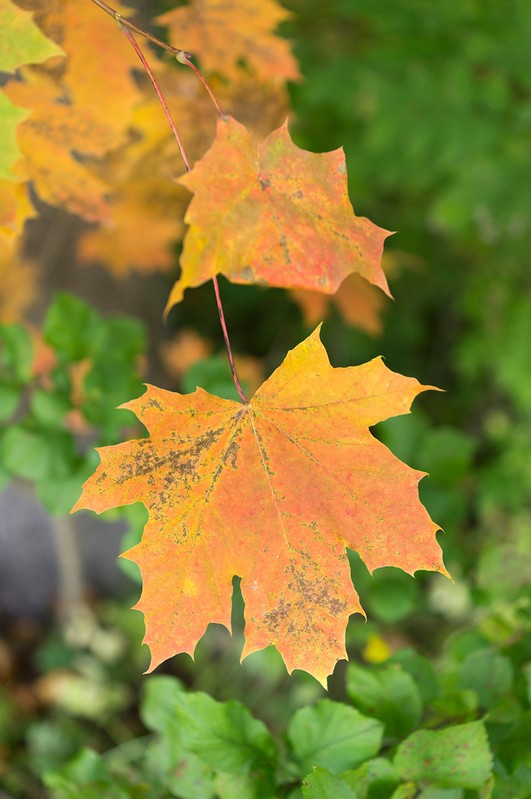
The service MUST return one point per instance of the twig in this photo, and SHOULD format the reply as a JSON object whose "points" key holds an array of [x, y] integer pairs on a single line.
{"points": [[128, 24], [169, 117]]}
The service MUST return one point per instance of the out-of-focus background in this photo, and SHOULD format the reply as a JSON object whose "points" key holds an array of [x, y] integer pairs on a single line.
{"points": [[432, 104]]}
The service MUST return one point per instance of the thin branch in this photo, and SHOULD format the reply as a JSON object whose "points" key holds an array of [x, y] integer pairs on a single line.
{"points": [[227, 341], [157, 88], [141, 32], [169, 117], [184, 58]]}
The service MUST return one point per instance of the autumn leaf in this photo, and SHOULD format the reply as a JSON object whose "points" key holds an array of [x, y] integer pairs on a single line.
{"points": [[22, 42], [225, 33], [52, 139], [272, 491], [275, 215], [145, 220], [102, 84], [359, 303]]}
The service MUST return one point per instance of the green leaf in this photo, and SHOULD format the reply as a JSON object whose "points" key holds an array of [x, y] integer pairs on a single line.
{"points": [[333, 736], [514, 748], [183, 774], [49, 407], [16, 351], [22, 42], [389, 694], [321, 784], [232, 786], [10, 118], [162, 695], [222, 734], [121, 337], [421, 669], [71, 327], [407, 791], [37, 455], [375, 779], [455, 757], [9, 400], [487, 673], [60, 495]]}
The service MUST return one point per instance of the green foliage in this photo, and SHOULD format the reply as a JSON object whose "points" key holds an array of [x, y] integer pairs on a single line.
{"points": [[36, 442], [200, 748], [433, 108], [389, 694], [333, 736], [458, 757]]}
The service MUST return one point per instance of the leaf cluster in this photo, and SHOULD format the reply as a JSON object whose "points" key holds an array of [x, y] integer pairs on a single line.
{"points": [[409, 729], [58, 395]]}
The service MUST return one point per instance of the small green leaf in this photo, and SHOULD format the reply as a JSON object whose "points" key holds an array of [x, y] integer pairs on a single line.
{"points": [[455, 757], [421, 669], [375, 779], [37, 455], [407, 791], [9, 400], [389, 694], [321, 784], [49, 407], [16, 352], [514, 748], [487, 673], [71, 327], [334, 736]]}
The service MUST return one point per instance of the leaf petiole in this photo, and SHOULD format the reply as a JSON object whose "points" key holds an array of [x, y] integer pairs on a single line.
{"points": [[127, 32]]}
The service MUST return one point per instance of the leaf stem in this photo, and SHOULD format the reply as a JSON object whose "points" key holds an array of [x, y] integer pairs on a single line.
{"points": [[184, 58], [141, 32], [227, 341], [157, 88], [169, 117]]}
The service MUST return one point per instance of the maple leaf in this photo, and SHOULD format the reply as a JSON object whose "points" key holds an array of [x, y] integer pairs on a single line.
{"points": [[272, 491], [52, 139], [102, 85], [275, 215], [223, 33], [359, 303], [22, 42], [145, 222]]}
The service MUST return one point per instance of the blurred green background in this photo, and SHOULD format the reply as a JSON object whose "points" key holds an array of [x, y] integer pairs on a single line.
{"points": [[432, 103]]}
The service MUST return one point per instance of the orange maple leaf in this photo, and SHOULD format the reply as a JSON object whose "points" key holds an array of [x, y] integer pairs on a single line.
{"points": [[275, 215], [223, 34], [272, 491]]}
